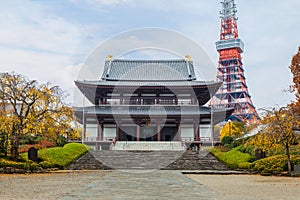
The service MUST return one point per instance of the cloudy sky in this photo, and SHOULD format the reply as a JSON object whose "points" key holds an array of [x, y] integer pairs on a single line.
{"points": [[48, 40]]}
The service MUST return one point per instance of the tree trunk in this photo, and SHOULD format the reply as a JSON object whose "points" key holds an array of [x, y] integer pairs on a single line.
{"points": [[14, 153], [5, 144], [287, 152]]}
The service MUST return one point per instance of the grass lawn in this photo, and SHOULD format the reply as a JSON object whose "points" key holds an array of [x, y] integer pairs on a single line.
{"points": [[60, 157], [233, 158]]}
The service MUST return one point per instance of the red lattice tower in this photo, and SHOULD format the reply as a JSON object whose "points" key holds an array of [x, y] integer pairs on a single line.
{"points": [[234, 91]]}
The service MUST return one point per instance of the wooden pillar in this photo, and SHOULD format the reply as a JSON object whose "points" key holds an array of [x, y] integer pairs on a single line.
{"points": [[117, 132], [158, 132], [84, 129], [140, 98], [121, 99], [196, 132], [100, 132], [137, 132]]}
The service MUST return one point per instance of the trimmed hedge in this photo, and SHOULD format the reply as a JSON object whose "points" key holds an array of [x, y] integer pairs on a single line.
{"points": [[234, 158], [227, 140], [19, 165], [273, 164], [57, 157], [244, 165], [61, 157]]}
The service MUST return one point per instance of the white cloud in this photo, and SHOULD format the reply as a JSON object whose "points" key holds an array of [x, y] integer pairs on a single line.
{"points": [[39, 32], [39, 66], [107, 2], [99, 4], [38, 44]]}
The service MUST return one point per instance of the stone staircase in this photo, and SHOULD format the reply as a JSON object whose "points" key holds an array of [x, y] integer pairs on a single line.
{"points": [[148, 146], [148, 160], [88, 162], [201, 160]]}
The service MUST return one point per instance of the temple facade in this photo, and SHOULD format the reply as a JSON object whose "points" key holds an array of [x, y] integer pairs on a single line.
{"points": [[148, 100]]}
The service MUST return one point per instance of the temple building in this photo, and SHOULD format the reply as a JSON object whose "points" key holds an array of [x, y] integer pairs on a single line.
{"points": [[140, 101]]}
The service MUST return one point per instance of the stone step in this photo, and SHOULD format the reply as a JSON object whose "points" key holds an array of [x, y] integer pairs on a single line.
{"points": [[148, 146], [88, 162], [170, 160], [197, 161]]}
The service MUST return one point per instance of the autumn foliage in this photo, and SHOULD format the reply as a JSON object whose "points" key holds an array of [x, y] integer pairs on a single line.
{"points": [[278, 132], [295, 69], [233, 129], [32, 109]]}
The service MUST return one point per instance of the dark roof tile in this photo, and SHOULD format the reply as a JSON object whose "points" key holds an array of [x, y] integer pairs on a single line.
{"points": [[148, 70]]}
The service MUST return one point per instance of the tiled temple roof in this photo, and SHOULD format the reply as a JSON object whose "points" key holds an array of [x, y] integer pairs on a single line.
{"points": [[148, 70], [151, 83]]}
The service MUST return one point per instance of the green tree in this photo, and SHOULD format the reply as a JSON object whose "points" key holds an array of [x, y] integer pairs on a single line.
{"points": [[278, 132], [36, 109]]}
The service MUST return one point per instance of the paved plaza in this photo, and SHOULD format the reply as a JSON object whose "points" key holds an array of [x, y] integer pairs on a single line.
{"points": [[159, 184]]}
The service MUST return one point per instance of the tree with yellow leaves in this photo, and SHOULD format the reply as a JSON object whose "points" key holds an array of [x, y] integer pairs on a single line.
{"points": [[233, 129], [278, 132], [4, 119], [37, 109]]}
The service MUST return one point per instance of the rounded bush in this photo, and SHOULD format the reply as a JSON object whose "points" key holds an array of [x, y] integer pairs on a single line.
{"points": [[274, 164], [244, 165], [227, 140], [19, 165], [47, 164]]}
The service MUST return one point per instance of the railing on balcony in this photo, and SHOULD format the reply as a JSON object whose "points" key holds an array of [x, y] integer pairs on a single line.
{"points": [[202, 139], [96, 139]]}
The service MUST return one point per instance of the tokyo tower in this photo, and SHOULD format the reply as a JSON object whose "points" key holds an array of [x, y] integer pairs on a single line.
{"points": [[234, 91]]}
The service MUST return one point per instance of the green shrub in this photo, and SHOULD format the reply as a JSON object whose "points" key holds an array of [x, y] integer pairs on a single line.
{"points": [[61, 141], [61, 157], [236, 143], [250, 149], [244, 165], [227, 140], [19, 165], [233, 157], [57, 157], [276, 163], [47, 165]]}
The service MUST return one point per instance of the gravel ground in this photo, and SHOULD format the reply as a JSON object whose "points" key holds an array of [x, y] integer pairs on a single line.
{"points": [[103, 185], [251, 187], [163, 184], [44, 186]]}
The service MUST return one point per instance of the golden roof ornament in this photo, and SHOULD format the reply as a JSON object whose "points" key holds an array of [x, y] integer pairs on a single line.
{"points": [[109, 57], [188, 58]]}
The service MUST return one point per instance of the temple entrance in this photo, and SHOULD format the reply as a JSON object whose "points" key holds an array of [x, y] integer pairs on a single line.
{"points": [[148, 134], [169, 133], [129, 133]]}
